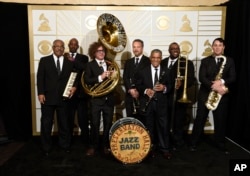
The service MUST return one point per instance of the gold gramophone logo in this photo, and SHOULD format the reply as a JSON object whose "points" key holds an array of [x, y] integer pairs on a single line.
{"points": [[208, 49], [44, 25], [186, 27]]}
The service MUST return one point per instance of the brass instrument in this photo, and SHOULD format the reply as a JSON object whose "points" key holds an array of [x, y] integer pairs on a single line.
{"points": [[111, 32], [112, 35], [214, 97], [184, 98], [106, 86], [182, 60]]}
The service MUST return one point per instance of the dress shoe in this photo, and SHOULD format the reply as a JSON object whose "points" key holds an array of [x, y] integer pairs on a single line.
{"points": [[167, 155], [152, 154], [67, 150], [106, 151], [193, 148], [46, 154], [224, 150], [90, 152]]}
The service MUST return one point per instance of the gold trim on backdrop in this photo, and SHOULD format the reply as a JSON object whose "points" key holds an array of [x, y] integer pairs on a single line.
{"points": [[126, 2]]}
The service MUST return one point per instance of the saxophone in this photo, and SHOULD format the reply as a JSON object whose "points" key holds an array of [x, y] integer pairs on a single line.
{"points": [[214, 97]]}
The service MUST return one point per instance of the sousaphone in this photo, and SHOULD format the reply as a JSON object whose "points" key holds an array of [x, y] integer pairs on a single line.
{"points": [[112, 35], [111, 32]]}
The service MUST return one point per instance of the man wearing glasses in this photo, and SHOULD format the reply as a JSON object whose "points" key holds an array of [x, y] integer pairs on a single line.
{"points": [[101, 106]]}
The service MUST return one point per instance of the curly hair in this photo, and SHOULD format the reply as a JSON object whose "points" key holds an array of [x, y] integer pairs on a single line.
{"points": [[93, 48]]}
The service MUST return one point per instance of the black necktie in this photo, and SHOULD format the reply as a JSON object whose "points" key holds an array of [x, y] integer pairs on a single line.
{"points": [[218, 61], [101, 67], [171, 64], [72, 55], [136, 61], [156, 76], [58, 67]]}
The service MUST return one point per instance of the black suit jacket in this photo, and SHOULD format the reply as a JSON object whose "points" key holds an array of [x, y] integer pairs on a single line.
{"points": [[144, 81], [91, 78], [49, 82], [80, 64], [208, 71], [130, 71]]}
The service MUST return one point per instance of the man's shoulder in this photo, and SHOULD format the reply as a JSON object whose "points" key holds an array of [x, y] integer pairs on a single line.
{"points": [[82, 55], [145, 57], [164, 60], [46, 58]]}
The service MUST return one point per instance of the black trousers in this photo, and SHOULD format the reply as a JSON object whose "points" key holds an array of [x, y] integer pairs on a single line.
{"points": [[47, 121], [98, 111]]}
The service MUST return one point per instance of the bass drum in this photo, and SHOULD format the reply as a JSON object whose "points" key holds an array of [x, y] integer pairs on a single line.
{"points": [[130, 142]]}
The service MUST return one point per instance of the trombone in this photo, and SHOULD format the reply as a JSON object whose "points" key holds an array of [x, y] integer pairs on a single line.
{"points": [[182, 59], [182, 64]]}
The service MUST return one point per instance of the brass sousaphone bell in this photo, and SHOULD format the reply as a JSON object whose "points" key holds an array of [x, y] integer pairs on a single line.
{"points": [[112, 35], [111, 32]]}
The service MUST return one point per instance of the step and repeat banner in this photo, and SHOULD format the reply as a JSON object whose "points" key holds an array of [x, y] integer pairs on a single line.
{"points": [[194, 28]]}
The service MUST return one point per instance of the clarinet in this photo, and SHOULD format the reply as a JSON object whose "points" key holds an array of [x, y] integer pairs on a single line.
{"points": [[153, 97], [135, 100]]}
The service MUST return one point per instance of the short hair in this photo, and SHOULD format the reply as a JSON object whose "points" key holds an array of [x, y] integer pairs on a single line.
{"points": [[57, 40], [221, 40], [156, 51], [139, 40]]}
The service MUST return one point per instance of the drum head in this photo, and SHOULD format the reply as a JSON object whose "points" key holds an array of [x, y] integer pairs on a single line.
{"points": [[129, 141]]}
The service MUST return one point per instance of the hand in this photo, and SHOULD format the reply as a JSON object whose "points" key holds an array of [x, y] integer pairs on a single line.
{"points": [[222, 90], [72, 91], [134, 93], [41, 98], [150, 93], [67, 55], [105, 74], [159, 87], [216, 85], [178, 83]]}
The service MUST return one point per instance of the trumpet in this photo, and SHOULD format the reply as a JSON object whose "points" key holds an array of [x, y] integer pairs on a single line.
{"points": [[136, 103], [153, 97]]}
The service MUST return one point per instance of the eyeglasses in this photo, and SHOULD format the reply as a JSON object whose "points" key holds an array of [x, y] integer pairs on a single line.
{"points": [[100, 51]]}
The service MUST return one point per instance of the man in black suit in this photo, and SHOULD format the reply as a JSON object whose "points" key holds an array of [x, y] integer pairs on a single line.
{"points": [[153, 84], [178, 110], [79, 101], [217, 76], [52, 77], [131, 67], [101, 106]]}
